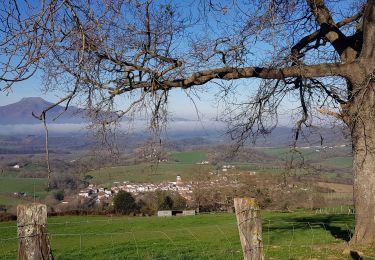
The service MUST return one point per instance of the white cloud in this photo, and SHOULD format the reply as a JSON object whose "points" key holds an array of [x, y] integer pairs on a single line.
{"points": [[134, 126]]}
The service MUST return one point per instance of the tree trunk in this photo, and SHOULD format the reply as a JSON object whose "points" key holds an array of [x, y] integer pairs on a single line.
{"points": [[362, 124]]}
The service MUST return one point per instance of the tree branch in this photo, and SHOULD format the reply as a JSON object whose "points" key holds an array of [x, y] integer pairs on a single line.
{"points": [[331, 31], [230, 73], [42, 115], [318, 34], [368, 49]]}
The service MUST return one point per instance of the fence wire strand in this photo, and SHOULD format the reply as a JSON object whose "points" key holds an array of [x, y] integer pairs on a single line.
{"points": [[180, 240]]}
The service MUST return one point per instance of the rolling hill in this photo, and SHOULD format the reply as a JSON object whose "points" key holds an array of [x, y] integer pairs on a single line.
{"points": [[21, 112]]}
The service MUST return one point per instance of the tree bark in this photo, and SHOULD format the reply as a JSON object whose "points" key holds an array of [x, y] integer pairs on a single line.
{"points": [[33, 242], [362, 124], [360, 117]]}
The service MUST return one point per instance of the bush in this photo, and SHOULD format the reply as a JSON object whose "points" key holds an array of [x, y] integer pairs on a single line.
{"points": [[144, 208], [166, 204], [179, 202], [88, 178], [124, 202], [59, 195]]}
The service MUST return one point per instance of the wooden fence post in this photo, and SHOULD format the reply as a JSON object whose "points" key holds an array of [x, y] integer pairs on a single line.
{"points": [[250, 228], [33, 242]]}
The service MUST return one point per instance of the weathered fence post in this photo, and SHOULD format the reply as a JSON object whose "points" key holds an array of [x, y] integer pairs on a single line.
{"points": [[249, 227], [33, 242]]}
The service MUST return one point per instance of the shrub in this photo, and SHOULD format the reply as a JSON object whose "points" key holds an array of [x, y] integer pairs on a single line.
{"points": [[167, 203], [179, 202], [59, 195], [124, 202]]}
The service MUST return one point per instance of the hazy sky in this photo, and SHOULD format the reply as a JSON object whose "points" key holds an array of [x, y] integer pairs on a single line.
{"points": [[180, 104]]}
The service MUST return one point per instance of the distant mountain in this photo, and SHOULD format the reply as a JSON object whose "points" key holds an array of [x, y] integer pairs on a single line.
{"points": [[20, 112], [15, 117]]}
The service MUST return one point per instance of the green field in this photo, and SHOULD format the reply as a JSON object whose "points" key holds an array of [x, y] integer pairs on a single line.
{"points": [[34, 187], [9, 199], [333, 163], [309, 154], [191, 157], [144, 172], [300, 235], [184, 165], [339, 162]]}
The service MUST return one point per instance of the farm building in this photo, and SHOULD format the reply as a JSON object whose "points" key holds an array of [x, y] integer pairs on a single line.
{"points": [[170, 213]]}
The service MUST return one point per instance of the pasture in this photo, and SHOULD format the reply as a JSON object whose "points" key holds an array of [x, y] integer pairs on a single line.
{"points": [[332, 163], [298, 235], [32, 187], [183, 164], [191, 157], [29, 185], [9, 199], [144, 173]]}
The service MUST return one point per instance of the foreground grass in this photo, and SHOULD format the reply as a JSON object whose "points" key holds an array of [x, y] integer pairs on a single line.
{"points": [[300, 235]]}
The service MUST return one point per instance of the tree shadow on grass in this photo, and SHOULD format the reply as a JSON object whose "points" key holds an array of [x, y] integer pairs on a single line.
{"points": [[337, 225], [355, 256]]}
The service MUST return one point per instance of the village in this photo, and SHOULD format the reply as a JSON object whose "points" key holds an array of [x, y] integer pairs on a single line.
{"points": [[105, 195]]}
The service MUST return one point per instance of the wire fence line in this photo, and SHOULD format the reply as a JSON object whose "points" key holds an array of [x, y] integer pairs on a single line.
{"points": [[342, 210], [266, 222], [301, 233], [281, 237]]}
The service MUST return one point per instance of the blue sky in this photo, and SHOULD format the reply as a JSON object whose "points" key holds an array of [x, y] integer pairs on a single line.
{"points": [[180, 105], [29, 88]]}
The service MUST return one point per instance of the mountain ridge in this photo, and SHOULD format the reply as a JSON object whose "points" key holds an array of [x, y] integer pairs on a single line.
{"points": [[21, 112]]}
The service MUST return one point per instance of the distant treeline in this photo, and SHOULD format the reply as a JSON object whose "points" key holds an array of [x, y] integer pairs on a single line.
{"points": [[29, 151]]}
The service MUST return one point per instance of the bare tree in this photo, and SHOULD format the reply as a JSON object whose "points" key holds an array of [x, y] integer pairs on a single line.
{"points": [[321, 53]]}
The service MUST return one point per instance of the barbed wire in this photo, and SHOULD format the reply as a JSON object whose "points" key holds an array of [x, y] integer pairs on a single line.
{"points": [[177, 242]]}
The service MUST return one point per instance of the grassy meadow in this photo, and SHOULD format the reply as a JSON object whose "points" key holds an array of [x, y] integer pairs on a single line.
{"points": [[334, 164], [9, 199], [299, 235], [191, 157], [183, 164], [33, 187], [29, 185], [144, 173]]}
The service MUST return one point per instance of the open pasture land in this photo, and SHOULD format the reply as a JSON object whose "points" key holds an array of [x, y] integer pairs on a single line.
{"points": [[29, 185], [9, 199], [32, 187], [313, 153], [191, 157], [334, 163], [299, 235], [339, 162], [184, 164], [144, 173]]}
